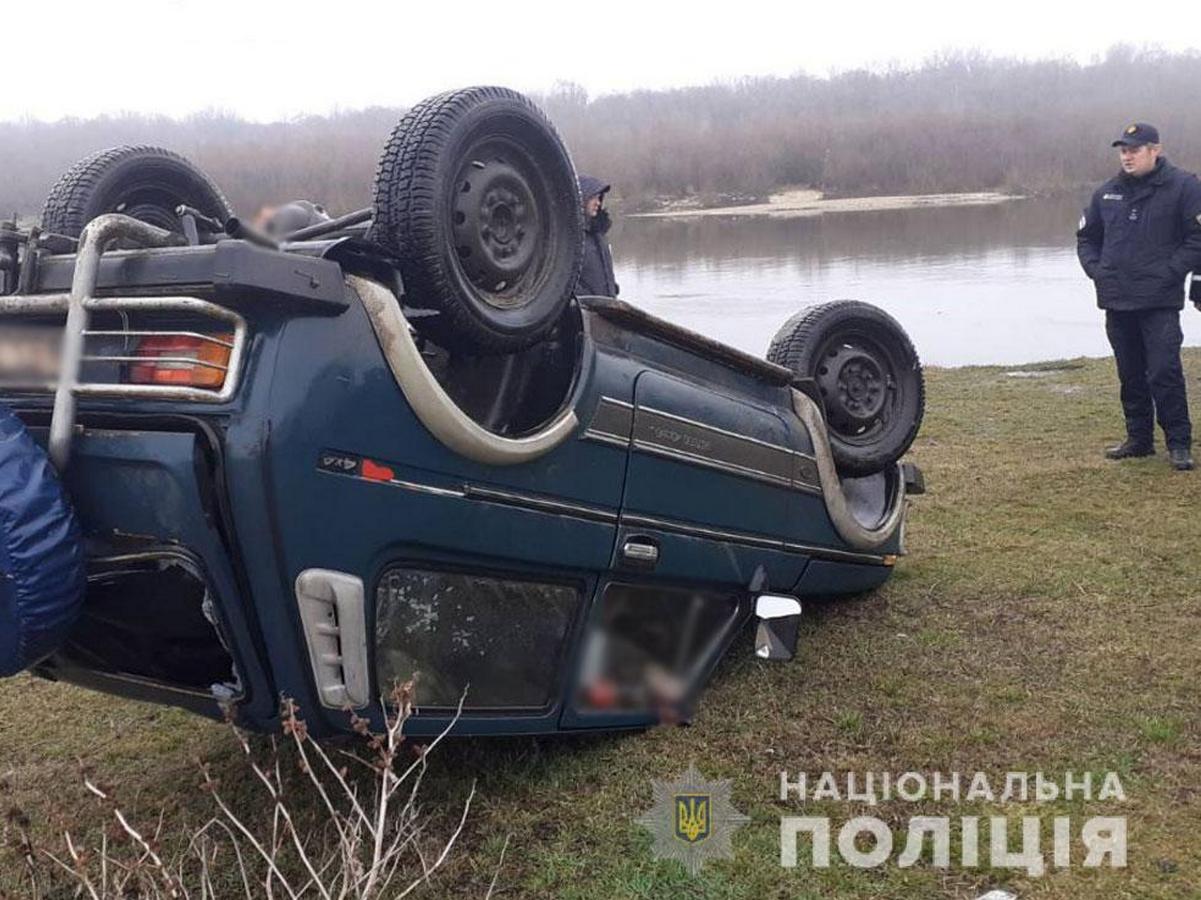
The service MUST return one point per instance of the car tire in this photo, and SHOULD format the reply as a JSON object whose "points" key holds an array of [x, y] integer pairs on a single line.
{"points": [[869, 377], [41, 552], [477, 199], [146, 183]]}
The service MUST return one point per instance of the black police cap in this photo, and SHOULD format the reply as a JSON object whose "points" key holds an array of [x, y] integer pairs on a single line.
{"points": [[1137, 134]]}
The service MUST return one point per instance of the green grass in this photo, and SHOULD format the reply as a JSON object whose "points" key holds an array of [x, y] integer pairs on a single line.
{"points": [[1047, 618]]}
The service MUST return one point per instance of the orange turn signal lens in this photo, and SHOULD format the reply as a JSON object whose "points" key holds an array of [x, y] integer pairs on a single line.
{"points": [[183, 360]]}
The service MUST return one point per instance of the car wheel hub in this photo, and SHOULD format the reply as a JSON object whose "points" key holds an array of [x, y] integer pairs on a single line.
{"points": [[496, 229], [854, 387]]}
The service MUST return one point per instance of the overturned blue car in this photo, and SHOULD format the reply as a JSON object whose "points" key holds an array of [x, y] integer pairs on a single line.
{"points": [[238, 465]]}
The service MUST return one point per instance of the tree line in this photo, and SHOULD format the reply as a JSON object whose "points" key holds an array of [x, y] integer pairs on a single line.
{"points": [[962, 121]]}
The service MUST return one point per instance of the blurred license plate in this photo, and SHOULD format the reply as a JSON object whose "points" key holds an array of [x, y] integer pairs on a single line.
{"points": [[29, 353]]}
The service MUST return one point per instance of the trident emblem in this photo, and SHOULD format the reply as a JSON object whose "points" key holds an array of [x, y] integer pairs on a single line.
{"points": [[692, 817]]}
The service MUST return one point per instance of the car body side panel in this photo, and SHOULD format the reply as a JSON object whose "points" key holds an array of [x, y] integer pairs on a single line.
{"points": [[141, 487], [333, 393], [325, 465], [723, 392], [710, 483], [356, 484], [826, 578]]}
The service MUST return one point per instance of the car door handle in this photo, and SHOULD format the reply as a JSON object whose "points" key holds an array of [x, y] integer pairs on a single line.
{"points": [[640, 552]]}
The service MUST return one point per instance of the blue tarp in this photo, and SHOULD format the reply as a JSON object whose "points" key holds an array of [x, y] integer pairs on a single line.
{"points": [[42, 567]]}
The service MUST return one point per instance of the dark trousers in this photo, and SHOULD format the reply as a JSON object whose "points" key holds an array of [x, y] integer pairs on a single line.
{"points": [[1146, 346]]}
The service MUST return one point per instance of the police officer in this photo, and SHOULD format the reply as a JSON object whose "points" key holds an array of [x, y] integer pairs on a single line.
{"points": [[1138, 239], [596, 273]]}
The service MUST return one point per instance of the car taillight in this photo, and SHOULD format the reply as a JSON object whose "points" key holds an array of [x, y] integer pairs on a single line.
{"points": [[190, 360]]}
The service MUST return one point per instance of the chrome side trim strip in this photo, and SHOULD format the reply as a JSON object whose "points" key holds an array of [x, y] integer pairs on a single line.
{"points": [[873, 559], [736, 537], [481, 494], [714, 428], [534, 503], [616, 422], [424, 488], [415, 486], [695, 442], [754, 540], [539, 504], [612, 422], [731, 468], [603, 438]]}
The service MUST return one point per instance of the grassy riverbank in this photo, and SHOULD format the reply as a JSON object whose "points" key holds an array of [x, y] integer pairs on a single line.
{"points": [[1047, 618]]}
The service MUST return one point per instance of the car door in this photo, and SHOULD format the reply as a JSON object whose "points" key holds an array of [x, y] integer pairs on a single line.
{"points": [[489, 562], [708, 488]]}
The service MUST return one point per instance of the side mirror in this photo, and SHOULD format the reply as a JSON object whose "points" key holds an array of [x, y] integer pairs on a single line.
{"points": [[779, 622]]}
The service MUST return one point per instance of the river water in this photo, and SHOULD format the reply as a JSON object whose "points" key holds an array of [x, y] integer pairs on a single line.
{"points": [[971, 285]]}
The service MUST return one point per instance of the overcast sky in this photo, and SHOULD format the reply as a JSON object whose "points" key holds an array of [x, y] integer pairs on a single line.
{"points": [[273, 60]]}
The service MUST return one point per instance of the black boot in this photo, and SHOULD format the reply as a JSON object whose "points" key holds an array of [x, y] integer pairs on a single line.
{"points": [[1129, 448], [1181, 458]]}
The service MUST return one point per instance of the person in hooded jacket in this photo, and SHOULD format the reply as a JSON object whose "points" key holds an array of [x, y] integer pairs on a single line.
{"points": [[596, 274], [1138, 239]]}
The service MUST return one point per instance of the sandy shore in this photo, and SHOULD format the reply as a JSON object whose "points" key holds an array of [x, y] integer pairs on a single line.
{"points": [[788, 204]]}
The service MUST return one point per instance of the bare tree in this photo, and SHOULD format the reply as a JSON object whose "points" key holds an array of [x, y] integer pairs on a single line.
{"points": [[959, 121]]}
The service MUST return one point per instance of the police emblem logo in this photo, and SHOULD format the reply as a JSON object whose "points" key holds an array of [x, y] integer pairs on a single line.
{"points": [[1083, 222], [1132, 129], [692, 820], [692, 817]]}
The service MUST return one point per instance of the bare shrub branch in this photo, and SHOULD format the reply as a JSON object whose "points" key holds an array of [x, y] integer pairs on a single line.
{"points": [[368, 840]]}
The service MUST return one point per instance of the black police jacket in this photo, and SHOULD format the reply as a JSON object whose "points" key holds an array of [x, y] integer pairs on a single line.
{"points": [[1139, 237], [596, 273]]}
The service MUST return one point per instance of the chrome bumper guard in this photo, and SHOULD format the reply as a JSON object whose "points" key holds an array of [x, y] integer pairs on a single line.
{"points": [[81, 302]]}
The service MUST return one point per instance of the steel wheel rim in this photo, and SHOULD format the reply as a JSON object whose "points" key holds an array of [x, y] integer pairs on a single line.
{"points": [[499, 223], [859, 379]]}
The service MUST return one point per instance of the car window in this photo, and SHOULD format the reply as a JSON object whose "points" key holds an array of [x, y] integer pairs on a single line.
{"points": [[496, 642], [649, 644]]}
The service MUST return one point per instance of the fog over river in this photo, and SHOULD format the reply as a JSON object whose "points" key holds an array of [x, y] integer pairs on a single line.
{"points": [[971, 285]]}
